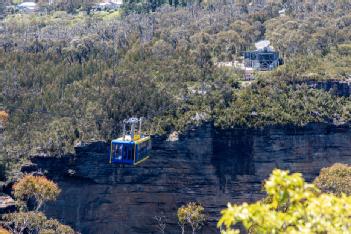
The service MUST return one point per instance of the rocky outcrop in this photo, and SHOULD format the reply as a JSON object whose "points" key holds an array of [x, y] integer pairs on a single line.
{"points": [[339, 88], [7, 204], [207, 165], [174, 136]]}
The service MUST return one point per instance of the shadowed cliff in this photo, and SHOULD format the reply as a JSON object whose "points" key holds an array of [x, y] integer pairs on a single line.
{"points": [[207, 165]]}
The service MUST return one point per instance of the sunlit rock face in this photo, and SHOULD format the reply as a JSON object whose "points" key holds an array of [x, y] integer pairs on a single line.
{"points": [[207, 165], [7, 204]]}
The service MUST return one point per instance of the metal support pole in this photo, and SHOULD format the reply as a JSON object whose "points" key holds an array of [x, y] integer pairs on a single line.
{"points": [[140, 122], [124, 130], [132, 129]]}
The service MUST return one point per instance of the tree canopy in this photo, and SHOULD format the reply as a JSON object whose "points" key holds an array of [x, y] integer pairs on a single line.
{"points": [[335, 179], [28, 219], [292, 206], [69, 76], [37, 187], [192, 214]]}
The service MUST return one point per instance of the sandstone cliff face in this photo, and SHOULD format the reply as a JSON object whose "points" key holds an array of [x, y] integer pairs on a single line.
{"points": [[206, 165]]}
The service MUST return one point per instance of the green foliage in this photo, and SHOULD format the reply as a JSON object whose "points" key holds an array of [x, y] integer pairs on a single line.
{"points": [[191, 214], [344, 49], [144, 6], [276, 103], [66, 78], [34, 222], [37, 187], [312, 34], [335, 179], [52, 226], [333, 66], [294, 206], [19, 222], [16, 1], [41, 190]]}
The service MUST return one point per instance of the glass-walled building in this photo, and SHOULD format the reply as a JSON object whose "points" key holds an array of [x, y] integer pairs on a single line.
{"points": [[264, 58]]}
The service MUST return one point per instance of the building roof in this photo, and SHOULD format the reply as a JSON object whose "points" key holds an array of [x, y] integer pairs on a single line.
{"points": [[128, 140], [28, 4], [260, 45], [110, 2], [282, 11], [102, 4], [118, 2]]}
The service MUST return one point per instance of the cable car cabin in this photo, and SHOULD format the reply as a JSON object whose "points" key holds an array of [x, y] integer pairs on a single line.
{"points": [[126, 151], [130, 149]]}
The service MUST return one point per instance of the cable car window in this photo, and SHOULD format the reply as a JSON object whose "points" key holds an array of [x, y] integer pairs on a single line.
{"points": [[130, 154], [125, 155], [119, 149]]}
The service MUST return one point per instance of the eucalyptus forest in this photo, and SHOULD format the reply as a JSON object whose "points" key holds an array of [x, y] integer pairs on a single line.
{"points": [[70, 74]]}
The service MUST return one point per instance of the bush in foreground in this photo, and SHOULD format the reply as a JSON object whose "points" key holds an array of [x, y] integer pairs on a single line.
{"points": [[292, 206]]}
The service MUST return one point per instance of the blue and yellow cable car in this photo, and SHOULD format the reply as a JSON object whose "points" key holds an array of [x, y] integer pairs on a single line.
{"points": [[131, 148]]}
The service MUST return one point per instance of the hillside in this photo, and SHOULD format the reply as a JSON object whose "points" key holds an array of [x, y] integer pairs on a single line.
{"points": [[69, 76]]}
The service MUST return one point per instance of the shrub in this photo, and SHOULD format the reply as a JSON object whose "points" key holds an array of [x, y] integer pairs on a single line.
{"points": [[335, 179], [294, 206], [192, 214], [52, 226], [24, 222], [34, 222], [4, 116], [4, 231], [41, 189], [37, 187], [344, 49]]}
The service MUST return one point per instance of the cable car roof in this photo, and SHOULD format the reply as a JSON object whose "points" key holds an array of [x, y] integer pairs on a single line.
{"points": [[127, 140]]}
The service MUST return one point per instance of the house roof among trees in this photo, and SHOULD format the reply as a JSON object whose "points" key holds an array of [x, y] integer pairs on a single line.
{"points": [[28, 4], [260, 45]]}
